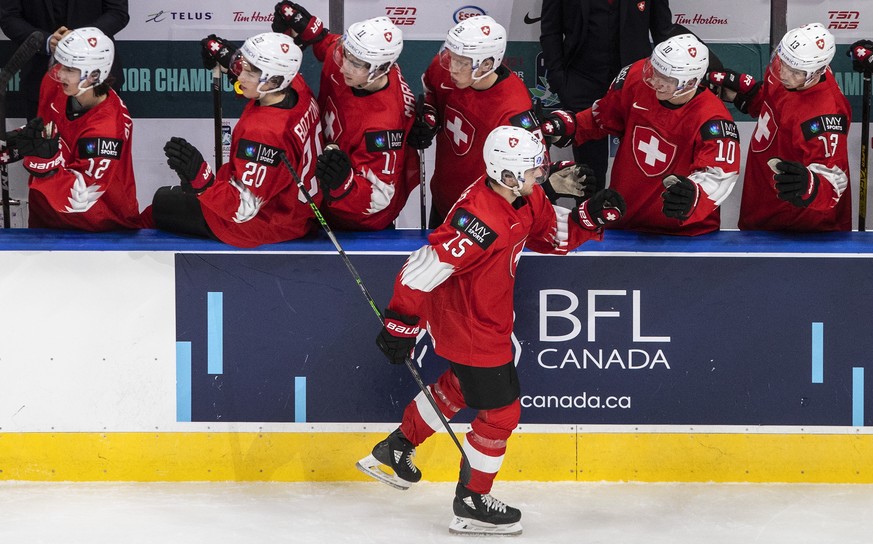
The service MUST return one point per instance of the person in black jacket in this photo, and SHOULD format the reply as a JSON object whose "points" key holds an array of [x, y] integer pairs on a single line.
{"points": [[585, 44], [20, 18]]}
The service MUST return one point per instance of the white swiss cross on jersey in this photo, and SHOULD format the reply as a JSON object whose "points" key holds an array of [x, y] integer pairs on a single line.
{"points": [[765, 130], [330, 121], [459, 131], [652, 152]]}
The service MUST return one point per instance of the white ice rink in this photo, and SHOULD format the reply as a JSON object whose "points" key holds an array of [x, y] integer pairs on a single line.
{"points": [[553, 513]]}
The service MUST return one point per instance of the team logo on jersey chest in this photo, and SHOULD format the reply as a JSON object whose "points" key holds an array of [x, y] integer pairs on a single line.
{"points": [[331, 122], [459, 131], [251, 151], [652, 153], [384, 140], [109, 148], [474, 228], [812, 128], [765, 130]]}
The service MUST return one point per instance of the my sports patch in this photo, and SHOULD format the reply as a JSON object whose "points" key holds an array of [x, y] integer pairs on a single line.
{"points": [[475, 229], [252, 151], [384, 140], [109, 148]]}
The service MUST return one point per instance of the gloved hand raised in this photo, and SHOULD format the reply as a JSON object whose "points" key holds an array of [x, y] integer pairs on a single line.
{"points": [[569, 184], [293, 19], [680, 197], [333, 168], [735, 87], [397, 337], [601, 210], [216, 51], [39, 145], [424, 128], [794, 182], [861, 53], [195, 174], [559, 128]]}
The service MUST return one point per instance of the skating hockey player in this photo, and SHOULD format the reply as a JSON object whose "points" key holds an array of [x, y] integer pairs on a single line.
{"points": [[367, 110], [468, 92], [78, 149], [460, 288], [679, 156], [797, 169], [253, 198]]}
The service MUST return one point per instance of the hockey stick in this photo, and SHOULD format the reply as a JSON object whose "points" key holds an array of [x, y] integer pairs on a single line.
{"points": [[465, 463], [216, 116], [25, 51], [419, 108], [865, 139]]}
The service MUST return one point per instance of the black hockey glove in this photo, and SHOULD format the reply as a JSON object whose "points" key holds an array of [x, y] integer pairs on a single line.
{"points": [[39, 145], [334, 169], [737, 88], [216, 51], [195, 174], [293, 19], [397, 337], [9, 151], [680, 197], [569, 184], [559, 128], [794, 182], [861, 53], [601, 210], [424, 128]]}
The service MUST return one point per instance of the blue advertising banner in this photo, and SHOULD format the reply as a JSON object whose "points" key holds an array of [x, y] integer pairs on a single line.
{"points": [[654, 339]]}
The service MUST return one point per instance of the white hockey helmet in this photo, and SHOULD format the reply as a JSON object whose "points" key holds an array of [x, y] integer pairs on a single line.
{"points": [[375, 41], [682, 59], [478, 38], [274, 55], [90, 51], [808, 49], [515, 150]]}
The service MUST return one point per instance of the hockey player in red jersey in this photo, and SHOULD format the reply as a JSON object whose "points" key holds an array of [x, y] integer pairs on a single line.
{"points": [[253, 199], [78, 149], [679, 156], [468, 92], [460, 288], [366, 110], [797, 169]]}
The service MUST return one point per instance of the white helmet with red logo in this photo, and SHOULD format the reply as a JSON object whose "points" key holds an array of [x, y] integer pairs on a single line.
{"points": [[376, 41], [89, 50], [514, 150], [479, 38], [683, 58], [276, 56], [809, 48]]}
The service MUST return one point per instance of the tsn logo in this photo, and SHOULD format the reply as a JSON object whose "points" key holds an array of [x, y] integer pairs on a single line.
{"points": [[843, 20], [401, 15]]}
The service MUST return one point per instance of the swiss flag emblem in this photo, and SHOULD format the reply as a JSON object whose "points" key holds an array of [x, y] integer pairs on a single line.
{"points": [[486, 30], [459, 131], [641, 6], [513, 142], [652, 153], [693, 52], [388, 37], [92, 41], [285, 47], [820, 43]]}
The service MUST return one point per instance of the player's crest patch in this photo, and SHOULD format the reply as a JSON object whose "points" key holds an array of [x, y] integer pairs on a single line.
{"points": [[251, 151], [384, 140], [693, 52], [820, 43], [459, 131], [486, 30], [330, 121], [765, 130], [92, 42], [525, 120], [812, 128], [652, 153], [388, 37], [641, 6], [513, 142], [109, 148], [284, 47], [474, 228]]}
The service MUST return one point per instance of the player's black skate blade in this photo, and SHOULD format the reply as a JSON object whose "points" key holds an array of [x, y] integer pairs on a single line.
{"points": [[371, 466], [395, 453], [483, 515]]}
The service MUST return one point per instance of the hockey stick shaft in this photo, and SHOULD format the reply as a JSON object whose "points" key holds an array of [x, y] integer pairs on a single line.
{"points": [[19, 58], [865, 144], [217, 116], [419, 108], [465, 463]]}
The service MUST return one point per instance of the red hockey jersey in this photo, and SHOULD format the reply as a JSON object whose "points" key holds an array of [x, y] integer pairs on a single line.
{"points": [[461, 284], [254, 199], [810, 127], [467, 117], [95, 190], [372, 129], [698, 140]]}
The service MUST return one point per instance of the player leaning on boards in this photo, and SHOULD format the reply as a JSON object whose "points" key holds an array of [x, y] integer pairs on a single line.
{"points": [[252, 200], [674, 135], [366, 110], [460, 288], [797, 169], [468, 92], [78, 149]]}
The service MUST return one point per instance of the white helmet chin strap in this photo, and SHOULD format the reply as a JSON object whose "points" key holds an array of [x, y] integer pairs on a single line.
{"points": [[515, 190]]}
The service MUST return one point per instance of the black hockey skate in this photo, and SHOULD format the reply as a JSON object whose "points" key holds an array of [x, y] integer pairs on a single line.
{"points": [[477, 514], [397, 453]]}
